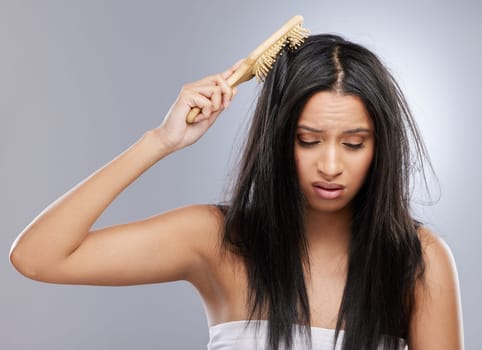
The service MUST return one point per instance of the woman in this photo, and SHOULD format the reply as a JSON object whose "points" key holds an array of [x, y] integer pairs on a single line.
{"points": [[318, 231]]}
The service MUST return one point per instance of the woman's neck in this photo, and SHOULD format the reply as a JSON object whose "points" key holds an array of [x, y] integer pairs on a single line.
{"points": [[329, 234]]}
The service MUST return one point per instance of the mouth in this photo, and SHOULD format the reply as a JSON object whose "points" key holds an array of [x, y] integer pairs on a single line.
{"points": [[328, 186], [327, 190]]}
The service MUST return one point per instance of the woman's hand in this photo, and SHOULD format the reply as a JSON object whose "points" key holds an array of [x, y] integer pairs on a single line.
{"points": [[211, 94]]}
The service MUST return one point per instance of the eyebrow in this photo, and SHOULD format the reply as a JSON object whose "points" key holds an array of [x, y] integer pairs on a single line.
{"points": [[350, 131]]}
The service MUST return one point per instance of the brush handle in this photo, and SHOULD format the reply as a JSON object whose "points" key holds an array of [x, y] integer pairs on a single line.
{"points": [[193, 113], [243, 73]]}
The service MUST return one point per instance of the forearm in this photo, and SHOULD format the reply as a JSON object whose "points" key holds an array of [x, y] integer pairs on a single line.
{"points": [[59, 229]]}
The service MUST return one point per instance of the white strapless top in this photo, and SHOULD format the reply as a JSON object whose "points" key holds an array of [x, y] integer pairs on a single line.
{"points": [[234, 336]]}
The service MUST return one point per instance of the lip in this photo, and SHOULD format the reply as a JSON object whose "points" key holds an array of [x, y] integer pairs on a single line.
{"points": [[327, 190], [328, 185]]}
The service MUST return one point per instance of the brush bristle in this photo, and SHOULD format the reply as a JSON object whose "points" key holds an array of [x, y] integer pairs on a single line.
{"points": [[292, 39]]}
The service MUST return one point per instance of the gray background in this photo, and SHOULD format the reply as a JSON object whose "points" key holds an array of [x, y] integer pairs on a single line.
{"points": [[80, 81]]}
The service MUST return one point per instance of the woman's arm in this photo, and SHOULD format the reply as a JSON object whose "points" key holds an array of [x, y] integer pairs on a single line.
{"points": [[437, 319], [57, 246]]}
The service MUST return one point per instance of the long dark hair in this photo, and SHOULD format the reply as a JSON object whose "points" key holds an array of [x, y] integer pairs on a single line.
{"points": [[264, 217]]}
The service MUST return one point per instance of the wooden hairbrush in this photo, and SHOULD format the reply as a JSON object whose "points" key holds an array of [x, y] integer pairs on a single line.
{"points": [[261, 60]]}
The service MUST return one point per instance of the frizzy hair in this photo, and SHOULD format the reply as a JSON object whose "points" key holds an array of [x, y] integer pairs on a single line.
{"points": [[264, 216]]}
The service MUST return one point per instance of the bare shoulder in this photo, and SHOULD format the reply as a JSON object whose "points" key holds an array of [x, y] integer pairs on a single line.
{"points": [[437, 318], [439, 260]]}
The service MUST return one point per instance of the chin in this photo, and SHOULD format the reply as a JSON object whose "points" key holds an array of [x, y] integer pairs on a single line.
{"points": [[328, 207]]}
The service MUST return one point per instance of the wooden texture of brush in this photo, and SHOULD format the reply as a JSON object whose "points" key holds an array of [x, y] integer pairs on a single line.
{"points": [[261, 60]]}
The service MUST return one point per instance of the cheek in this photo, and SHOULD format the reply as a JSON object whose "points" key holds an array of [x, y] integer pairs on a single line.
{"points": [[302, 162], [299, 169], [363, 165], [298, 162]]}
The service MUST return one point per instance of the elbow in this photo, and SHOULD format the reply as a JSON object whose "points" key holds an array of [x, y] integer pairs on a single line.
{"points": [[20, 265], [36, 262], [24, 266], [28, 266]]}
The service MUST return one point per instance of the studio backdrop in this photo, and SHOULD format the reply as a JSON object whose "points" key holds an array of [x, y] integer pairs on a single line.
{"points": [[80, 81]]}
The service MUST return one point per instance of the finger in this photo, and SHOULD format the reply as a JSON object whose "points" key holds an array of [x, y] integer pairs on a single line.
{"points": [[210, 120], [225, 75], [219, 93], [205, 90], [206, 106], [238, 63], [206, 111], [225, 89], [202, 117], [209, 80], [196, 99], [228, 72], [216, 98]]}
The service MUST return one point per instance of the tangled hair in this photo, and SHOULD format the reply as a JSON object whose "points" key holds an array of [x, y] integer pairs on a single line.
{"points": [[264, 218]]}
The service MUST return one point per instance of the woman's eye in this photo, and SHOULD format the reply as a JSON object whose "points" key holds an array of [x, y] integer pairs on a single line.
{"points": [[353, 145], [307, 143]]}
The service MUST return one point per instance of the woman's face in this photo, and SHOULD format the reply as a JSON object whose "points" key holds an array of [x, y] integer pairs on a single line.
{"points": [[334, 146]]}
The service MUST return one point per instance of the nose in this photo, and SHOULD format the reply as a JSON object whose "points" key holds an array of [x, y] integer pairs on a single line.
{"points": [[329, 163]]}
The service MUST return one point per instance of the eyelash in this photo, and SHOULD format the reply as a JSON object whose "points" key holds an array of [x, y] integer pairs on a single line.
{"points": [[307, 144], [353, 146]]}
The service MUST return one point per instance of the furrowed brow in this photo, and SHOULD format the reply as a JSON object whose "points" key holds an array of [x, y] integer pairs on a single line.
{"points": [[350, 131], [304, 127], [357, 131]]}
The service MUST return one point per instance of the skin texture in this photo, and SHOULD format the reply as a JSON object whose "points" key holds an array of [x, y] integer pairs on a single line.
{"points": [[59, 246], [334, 145]]}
